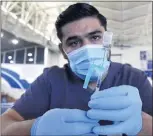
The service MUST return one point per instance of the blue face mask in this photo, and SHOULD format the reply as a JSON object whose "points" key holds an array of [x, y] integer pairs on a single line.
{"points": [[88, 56]]}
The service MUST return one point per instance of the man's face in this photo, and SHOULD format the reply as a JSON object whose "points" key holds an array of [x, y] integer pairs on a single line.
{"points": [[80, 33]]}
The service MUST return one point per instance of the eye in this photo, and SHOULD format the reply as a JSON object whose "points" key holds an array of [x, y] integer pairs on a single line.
{"points": [[96, 37], [74, 44]]}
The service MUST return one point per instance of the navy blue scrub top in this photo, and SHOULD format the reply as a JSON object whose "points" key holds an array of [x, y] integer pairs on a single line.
{"points": [[61, 88]]}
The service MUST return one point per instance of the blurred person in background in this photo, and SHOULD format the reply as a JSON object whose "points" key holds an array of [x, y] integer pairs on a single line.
{"points": [[56, 102]]}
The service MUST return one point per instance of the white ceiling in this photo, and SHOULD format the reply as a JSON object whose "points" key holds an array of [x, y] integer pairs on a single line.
{"points": [[131, 22]]}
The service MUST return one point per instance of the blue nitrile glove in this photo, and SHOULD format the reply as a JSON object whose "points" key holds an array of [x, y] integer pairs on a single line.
{"points": [[120, 104], [63, 122]]}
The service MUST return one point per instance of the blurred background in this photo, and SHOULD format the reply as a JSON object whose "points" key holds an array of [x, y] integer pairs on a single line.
{"points": [[29, 42]]}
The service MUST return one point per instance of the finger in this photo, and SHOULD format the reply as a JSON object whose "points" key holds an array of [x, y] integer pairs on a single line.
{"points": [[115, 129], [76, 115], [112, 103], [112, 115], [128, 127], [113, 91], [81, 128], [133, 92]]}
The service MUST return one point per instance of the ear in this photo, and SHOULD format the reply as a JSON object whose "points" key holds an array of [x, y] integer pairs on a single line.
{"points": [[62, 51]]}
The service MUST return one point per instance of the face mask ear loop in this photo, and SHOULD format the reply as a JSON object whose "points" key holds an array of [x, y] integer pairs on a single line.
{"points": [[89, 74]]}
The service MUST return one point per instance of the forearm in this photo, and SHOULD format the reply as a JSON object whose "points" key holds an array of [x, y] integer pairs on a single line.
{"points": [[147, 125], [18, 128]]}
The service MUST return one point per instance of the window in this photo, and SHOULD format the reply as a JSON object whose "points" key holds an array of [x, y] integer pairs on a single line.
{"points": [[20, 56], [1, 57], [30, 56], [40, 55], [9, 57]]}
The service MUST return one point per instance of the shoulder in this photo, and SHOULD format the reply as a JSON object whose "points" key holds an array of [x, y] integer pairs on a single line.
{"points": [[127, 68], [53, 71], [129, 75], [55, 74], [134, 72]]}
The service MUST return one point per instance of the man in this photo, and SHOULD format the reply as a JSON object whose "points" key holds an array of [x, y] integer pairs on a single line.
{"points": [[56, 102]]}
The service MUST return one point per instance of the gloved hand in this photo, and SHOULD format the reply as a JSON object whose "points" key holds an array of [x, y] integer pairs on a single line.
{"points": [[63, 122], [120, 104]]}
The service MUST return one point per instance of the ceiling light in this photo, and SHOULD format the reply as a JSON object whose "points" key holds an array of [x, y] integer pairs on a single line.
{"points": [[29, 54], [31, 59], [11, 61], [9, 57], [2, 35], [15, 41]]}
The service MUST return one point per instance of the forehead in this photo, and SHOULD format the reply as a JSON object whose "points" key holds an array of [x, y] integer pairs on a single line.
{"points": [[81, 27]]}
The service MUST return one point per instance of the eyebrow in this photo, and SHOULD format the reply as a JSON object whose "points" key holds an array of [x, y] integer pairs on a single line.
{"points": [[89, 34], [94, 32], [72, 38]]}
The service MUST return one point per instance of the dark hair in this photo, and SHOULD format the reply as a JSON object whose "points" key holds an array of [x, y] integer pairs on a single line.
{"points": [[75, 12]]}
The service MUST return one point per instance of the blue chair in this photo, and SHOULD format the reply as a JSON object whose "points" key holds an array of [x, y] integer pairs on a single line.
{"points": [[5, 106]]}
